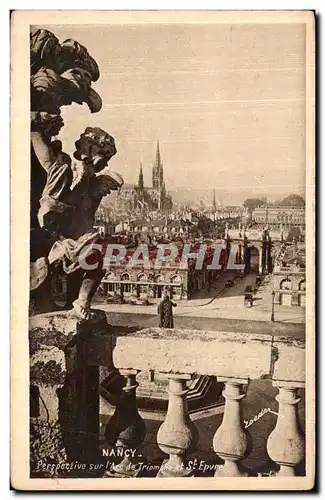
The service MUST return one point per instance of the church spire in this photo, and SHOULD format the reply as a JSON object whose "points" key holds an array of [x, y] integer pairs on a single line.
{"points": [[140, 182], [214, 205], [158, 160], [157, 171]]}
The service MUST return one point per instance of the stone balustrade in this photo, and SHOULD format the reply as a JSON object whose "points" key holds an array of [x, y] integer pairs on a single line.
{"points": [[64, 369]]}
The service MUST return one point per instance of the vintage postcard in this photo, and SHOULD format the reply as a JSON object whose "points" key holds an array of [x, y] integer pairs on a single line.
{"points": [[163, 250]]}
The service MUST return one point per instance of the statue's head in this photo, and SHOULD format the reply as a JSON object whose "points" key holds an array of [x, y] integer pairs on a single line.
{"points": [[96, 147]]}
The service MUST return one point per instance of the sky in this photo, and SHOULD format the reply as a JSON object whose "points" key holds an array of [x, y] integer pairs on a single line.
{"points": [[226, 101]]}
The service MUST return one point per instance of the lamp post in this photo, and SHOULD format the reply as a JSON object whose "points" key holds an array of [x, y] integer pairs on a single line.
{"points": [[273, 297]]}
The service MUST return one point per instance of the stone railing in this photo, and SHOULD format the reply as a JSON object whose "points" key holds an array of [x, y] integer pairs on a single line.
{"points": [[65, 361]]}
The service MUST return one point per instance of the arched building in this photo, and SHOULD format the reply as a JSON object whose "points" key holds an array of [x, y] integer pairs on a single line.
{"points": [[139, 283], [289, 278]]}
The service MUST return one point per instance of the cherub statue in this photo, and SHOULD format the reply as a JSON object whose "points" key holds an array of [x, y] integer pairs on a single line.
{"points": [[61, 73], [65, 192], [73, 191]]}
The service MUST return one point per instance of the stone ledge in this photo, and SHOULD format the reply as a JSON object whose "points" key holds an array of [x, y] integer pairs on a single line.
{"points": [[231, 358], [290, 363], [227, 355], [183, 351]]}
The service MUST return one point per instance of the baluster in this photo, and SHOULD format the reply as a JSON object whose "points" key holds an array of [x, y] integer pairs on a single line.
{"points": [[285, 444], [126, 429], [230, 439], [177, 436]]}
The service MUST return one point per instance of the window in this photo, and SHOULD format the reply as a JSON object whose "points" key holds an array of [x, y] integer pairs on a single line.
{"points": [[302, 285], [176, 290], [286, 284], [127, 286], [143, 288], [159, 278], [110, 277]]}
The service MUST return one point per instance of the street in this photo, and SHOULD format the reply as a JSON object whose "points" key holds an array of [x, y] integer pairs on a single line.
{"points": [[220, 304]]}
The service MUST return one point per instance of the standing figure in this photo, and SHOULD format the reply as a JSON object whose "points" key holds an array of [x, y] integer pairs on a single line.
{"points": [[165, 312]]}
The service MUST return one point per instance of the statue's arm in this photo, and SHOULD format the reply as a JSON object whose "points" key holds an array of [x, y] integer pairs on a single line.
{"points": [[42, 150], [43, 127]]}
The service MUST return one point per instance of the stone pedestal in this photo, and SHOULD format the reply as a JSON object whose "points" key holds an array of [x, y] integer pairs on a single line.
{"points": [[64, 392]]}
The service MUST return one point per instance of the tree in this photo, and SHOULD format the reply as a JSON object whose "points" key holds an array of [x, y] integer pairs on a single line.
{"points": [[294, 233], [293, 201], [205, 225], [251, 203]]}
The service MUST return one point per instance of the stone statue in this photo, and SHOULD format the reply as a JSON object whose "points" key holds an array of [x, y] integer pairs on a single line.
{"points": [[71, 196], [65, 191]]}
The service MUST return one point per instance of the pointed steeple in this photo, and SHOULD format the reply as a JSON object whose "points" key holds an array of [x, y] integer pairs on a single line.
{"points": [[140, 182], [158, 160], [214, 205], [157, 171]]}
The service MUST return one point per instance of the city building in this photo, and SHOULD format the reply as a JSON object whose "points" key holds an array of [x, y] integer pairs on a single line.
{"points": [[279, 217], [180, 280], [289, 276], [139, 283], [104, 227]]}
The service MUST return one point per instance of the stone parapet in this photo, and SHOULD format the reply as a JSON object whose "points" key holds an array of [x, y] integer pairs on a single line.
{"points": [[64, 376], [222, 354]]}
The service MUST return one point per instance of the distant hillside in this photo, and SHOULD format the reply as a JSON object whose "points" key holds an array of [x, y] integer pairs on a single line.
{"points": [[235, 197]]}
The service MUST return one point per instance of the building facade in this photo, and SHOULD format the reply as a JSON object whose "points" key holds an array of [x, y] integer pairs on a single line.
{"points": [[279, 217], [290, 287], [140, 283], [180, 280], [289, 276]]}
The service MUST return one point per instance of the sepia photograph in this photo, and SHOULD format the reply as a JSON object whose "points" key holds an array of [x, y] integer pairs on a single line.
{"points": [[163, 322]]}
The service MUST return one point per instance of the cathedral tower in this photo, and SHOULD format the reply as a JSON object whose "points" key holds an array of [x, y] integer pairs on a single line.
{"points": [[140, 181], [158, 171]]}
